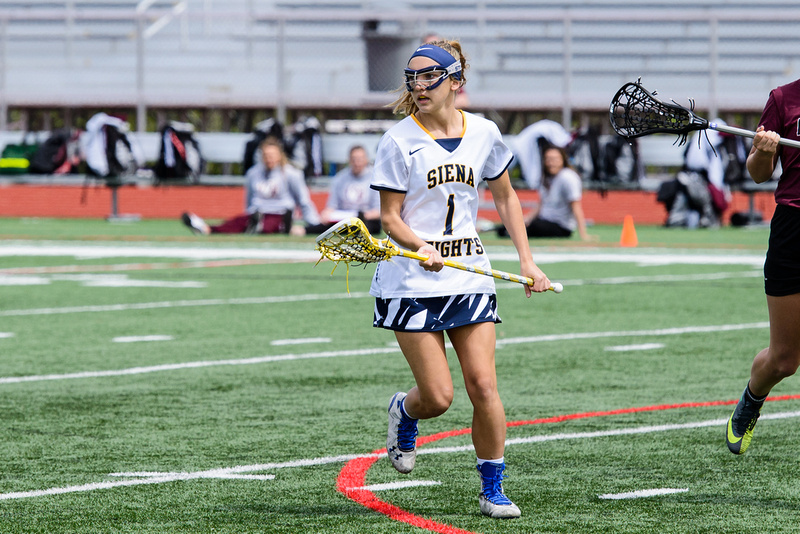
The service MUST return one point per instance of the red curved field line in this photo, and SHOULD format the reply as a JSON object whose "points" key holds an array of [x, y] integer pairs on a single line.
{"points": [[352, 477]]}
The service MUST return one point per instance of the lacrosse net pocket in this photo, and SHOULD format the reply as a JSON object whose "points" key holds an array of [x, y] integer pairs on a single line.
{"points": [[349, 241]]}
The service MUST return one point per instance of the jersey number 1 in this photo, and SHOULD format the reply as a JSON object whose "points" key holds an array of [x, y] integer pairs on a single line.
{"points": [[448, 221]]}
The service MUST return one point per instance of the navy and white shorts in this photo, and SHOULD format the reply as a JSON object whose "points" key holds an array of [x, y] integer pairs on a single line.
{"points": [[432, 314], [782, 267]]}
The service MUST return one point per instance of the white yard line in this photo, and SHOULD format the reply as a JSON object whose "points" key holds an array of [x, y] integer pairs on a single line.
{"points": [[137, 339], [677, 331], [56, 269], [638, 494], [375, 350], [193, 365], [643, 257], [149, 477], [115, 249], [96, 280], [300, 341], [178, 304], [700, 277], [269, 251], [630, 348], [356, 294], [159, 479], [399, 485]]}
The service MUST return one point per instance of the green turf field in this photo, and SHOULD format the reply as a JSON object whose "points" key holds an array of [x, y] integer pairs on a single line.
{"points": [[154, 381]]}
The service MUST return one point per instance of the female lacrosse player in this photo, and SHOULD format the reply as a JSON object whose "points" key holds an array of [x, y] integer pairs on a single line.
{"points": [[428, 168], [781, 118]]}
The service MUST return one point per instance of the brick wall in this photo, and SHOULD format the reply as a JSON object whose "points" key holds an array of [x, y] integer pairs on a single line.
{"points": [[218, 202]]}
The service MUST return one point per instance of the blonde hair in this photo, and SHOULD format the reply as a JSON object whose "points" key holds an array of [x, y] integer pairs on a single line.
{"points": [[405, 104]]}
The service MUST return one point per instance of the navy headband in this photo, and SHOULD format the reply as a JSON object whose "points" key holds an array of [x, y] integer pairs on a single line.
{"points": [[442, 57]]}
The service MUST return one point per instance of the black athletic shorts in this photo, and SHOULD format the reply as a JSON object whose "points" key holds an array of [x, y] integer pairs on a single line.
{"points": [[544, 228], [782, 267]]}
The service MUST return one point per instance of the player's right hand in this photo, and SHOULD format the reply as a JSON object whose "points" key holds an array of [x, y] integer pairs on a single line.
{"points": [[766, 141]]}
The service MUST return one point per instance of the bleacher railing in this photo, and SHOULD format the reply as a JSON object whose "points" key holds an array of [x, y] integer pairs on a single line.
{"points": [[537, 58]]}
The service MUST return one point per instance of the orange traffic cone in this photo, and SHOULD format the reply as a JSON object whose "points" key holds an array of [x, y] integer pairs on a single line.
{"points": [[628, 238]]}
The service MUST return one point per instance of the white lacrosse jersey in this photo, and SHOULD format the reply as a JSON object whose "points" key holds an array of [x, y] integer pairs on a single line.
{"points": [[440, 184]]}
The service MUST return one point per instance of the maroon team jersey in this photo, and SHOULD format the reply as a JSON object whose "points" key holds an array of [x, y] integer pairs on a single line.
{"points": [[782, 115]]}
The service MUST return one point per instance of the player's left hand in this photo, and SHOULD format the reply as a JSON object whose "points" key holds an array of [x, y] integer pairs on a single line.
{"points": [[540, 281]]}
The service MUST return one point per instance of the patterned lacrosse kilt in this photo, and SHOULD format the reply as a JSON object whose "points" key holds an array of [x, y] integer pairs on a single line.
{"points": [[435, 313]]}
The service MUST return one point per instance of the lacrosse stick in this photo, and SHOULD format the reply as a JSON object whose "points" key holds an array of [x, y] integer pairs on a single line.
{"points": [[350, 241], [635, 112]]}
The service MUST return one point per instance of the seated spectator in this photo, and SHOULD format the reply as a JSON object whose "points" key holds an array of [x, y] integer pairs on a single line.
{"points": [[560, 212], [529, 144], [274, 189], [351, 196]]}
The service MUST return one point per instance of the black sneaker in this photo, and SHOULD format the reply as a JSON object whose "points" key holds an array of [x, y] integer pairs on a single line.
{"points": [[741, 423]]}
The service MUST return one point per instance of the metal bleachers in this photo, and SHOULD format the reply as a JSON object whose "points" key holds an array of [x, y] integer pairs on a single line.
{"points": [[534, 54]]}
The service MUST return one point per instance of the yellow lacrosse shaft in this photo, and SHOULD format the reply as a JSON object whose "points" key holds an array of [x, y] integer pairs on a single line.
{"points": [[501, 275], [349, 240]]}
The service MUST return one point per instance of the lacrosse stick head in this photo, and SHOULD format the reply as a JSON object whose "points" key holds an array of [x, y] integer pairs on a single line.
{"points": [[350, 241], [635, 112]]}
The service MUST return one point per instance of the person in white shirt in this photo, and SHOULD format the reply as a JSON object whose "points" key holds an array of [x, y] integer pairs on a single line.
{"points": [[560, 212], [428, 168], [528, 144]]}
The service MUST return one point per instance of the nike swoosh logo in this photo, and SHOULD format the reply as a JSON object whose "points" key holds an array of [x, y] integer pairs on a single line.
{"points": [[731, 436], [412, 152]]}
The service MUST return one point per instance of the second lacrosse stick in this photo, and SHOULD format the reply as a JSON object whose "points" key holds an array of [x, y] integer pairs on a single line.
{"points": [[635, 112]]}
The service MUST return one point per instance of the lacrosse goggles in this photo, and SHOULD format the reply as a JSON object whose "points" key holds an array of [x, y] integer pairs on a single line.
{"points": [[433, 76]]}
